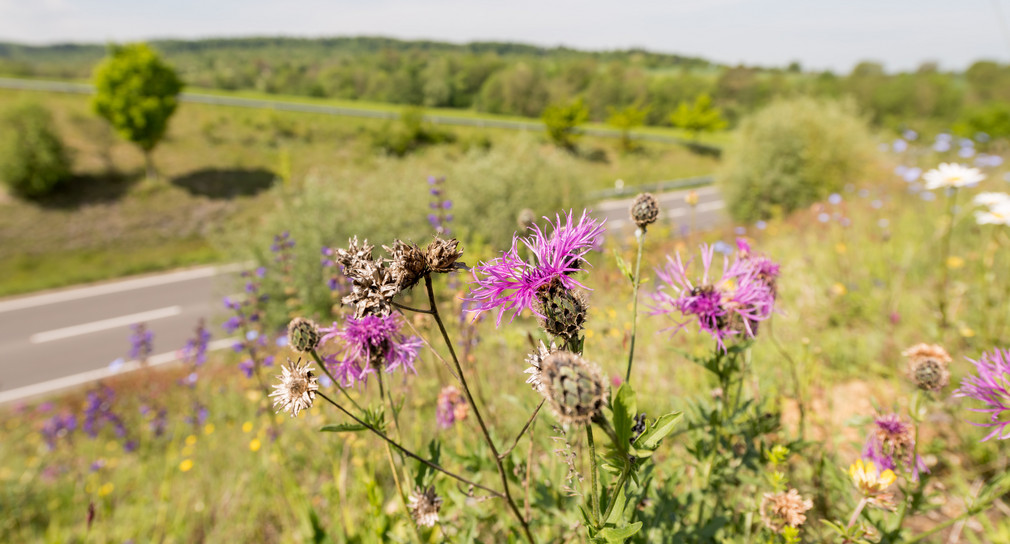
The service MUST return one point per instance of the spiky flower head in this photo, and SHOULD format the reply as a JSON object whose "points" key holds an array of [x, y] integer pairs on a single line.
{"points": [[928, 366], [730, 306], [765, 269], [441, 255], [367, 344], [510, 283], [562, 312], [407, 264], [297, 389], [891, 444], [303, 334], [424, 505], [952, 175], [784, 509], [372, 284], [451, 407], [535, 360], [990, 385], [644, 210], [573, 387]]}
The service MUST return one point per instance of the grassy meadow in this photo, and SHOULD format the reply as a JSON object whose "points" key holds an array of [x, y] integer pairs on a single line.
{"points": [[858, 285]]}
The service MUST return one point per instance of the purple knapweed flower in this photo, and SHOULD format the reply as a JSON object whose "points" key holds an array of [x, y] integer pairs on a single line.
{"points": [[452, 407], [765, 269], [891, 443], [509, 283], [367, 343], [990, 385], [729, 306]]}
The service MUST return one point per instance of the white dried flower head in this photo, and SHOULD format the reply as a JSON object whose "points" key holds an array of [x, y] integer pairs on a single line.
{"points": [[424, 505], [780, 510], [928, 366], [297, 389], [534, 359]]}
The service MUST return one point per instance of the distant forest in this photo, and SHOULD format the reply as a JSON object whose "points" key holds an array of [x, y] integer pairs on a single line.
{"points": [[517, 79]]}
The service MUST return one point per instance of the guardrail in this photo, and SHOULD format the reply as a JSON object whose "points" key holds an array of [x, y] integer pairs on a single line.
{"points": [[218, 100], [656, 187]]}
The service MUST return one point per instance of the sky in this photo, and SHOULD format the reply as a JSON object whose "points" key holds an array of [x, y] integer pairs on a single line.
{"points": [[819, 34]]}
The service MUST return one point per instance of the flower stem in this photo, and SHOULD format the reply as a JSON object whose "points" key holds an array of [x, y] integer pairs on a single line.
{"points": [[399, 491], [505, 453], [636, 282], [326, 371], [594, 470], [944, 256], [856, 512], [507, 495], [407, 452], [617, 491]]}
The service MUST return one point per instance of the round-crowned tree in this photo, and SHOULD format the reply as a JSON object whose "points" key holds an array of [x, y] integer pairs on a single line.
{"points": [[137, 93], [791, 154], [33, 160]]}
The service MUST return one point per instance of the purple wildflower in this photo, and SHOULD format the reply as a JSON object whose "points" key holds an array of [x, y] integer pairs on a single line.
{"points": [[730, 306], [990, 386], [141, 342], [98, 413], [892, 442], [452, 407], [510, 283], [57, 427], [764, 268], [195, 350], [369, 342]]}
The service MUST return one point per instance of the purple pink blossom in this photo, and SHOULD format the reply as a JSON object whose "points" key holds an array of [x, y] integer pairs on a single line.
{"points": [[990, 386], [367, 343]]}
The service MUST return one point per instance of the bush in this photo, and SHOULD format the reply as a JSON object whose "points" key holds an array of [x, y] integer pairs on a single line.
{"points": [[562, 122], [992, 119], [412, 132], [791, 154], [33, 159]]}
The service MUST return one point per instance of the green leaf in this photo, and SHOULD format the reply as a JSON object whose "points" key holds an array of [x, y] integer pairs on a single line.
{"points": [[623, 266], [625, 406], [620, 534], [650, 439], [342, 428], [617, 512]]}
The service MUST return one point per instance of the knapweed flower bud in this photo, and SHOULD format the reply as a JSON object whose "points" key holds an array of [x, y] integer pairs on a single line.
{"points": [[407, 264], [526, 219], [928, 366], [691, 198], [562, 311], [303, 335], [441, 255], [573, 387], [644, 210]]}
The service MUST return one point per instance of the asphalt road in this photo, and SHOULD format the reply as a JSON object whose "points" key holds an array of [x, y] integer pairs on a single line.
{"points": [[65, 338]]}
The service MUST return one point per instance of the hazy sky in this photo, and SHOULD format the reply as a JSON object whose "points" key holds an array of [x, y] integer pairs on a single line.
{"points": [[831, 34]]}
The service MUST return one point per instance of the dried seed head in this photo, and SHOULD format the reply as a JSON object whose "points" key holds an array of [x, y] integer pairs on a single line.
{"points": [[780, 510], [644, 210], [303, 335], [562, 311], [928, 366], [297, 389], [441, 255], [526, 219], [535, 360], [407, 264], [572, 386], [424, 505]]}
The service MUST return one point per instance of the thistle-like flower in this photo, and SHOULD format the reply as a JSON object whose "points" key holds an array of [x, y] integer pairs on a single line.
{"points": [[297, 389], [369, 343], [784, 509], [891, 443], [990, 385], [509, 283], [372, 284], [441, 255], [928, 366], [452, 407], [424, 505], [573, 387], [406, 264], [562, 312], [303, 335], [644, 210], [733, 305], [535, 360], [952, 175], [765, 269]]}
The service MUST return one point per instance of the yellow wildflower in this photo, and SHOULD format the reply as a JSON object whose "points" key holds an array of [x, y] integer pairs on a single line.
{"points": [[868, 479]]}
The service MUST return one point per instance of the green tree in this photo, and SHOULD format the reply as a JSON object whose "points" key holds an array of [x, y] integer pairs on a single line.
{"points": [[136, 92], [33, 160], [625, 119], [699, 117], [562, 122]]}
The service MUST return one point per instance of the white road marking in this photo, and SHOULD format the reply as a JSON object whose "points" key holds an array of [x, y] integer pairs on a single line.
{"points": [[116, 287], [92, 375], [105, 324]]}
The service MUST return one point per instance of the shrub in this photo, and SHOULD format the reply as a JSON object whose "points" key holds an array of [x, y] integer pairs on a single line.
{"points": [[33, 159], [409, 134], [791, 154], [562, 122], [992, 118], [699, 117]]}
